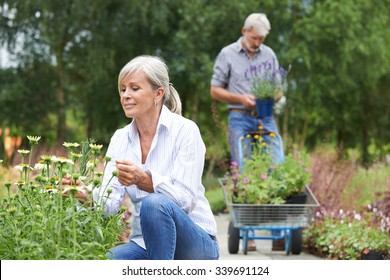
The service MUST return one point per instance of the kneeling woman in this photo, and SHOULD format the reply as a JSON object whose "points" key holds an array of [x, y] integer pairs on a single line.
{"points": [[159, 157]]}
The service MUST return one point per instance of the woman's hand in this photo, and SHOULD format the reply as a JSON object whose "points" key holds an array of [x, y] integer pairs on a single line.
{"points": [[75, 188], [130, 173]]}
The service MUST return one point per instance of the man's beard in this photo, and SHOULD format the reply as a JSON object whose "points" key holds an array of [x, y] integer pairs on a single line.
{"points": [[249, 47]]}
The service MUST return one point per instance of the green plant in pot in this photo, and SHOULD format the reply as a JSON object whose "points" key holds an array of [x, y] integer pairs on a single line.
{"points": [[261, 181]]}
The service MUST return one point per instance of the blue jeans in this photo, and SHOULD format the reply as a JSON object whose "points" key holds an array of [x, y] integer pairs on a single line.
{"points": [[169, 233], [240, 124]]}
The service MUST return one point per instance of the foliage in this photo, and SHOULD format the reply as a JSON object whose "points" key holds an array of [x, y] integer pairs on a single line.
{"points": [[330, 177], [329, 40], [354, 217], [23, 98], [216, 200], [262, 181], [341, 183], [7, 175], [367, 185], [45, 220], [349, 235]]}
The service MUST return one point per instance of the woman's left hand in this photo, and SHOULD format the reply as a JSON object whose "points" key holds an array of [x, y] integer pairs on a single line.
{"points": [[130, 173]]}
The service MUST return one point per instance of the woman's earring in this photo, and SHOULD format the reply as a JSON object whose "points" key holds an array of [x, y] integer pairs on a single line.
{"points": [[155, 104]]}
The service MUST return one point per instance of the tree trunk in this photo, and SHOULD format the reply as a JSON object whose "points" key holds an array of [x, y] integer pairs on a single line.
{"points": [[365, 143], [365, 127], [340, 144], [60, 94], [195, 105], [61, 114], [304, 133]]}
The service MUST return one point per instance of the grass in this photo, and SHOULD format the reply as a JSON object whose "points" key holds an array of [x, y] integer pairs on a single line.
{"points": [[214, 194], [366, 185], [216, 199]]}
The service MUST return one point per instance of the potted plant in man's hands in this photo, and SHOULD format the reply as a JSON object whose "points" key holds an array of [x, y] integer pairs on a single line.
{"points": [[267, 87]]}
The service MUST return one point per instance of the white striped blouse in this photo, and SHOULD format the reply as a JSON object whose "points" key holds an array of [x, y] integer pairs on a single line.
{"points": [[175, 162]]}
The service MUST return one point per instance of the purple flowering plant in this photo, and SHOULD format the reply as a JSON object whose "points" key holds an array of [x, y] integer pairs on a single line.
{"points": [[268, 82]]}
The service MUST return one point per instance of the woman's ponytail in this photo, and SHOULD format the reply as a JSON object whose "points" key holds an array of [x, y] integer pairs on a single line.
{"points": [[172, 100]]}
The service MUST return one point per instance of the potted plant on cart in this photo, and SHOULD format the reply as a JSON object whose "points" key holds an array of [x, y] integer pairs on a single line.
{"points": [[263, 182], [259, 183]]}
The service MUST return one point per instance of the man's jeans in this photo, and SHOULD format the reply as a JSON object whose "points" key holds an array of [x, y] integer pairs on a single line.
{"points": [[169, 234], [240, 124]]}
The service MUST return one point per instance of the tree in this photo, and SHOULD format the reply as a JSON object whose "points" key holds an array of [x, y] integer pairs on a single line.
{"points": [[69, 56], [345, 65], [62, 36]]}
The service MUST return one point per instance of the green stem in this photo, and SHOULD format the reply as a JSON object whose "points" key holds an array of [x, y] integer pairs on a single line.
{"points": [[21, 203], [26, 174], [48, 169], [74, 224], [93, 170], [105, 188], [60, 210], [29, 164]]}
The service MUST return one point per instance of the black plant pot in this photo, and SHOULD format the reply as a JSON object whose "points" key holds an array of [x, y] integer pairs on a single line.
{"points": [[373, 255], [299, 198]]}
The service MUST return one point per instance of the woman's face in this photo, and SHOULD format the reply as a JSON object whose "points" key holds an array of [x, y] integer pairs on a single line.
{"points": [[137, 96]]}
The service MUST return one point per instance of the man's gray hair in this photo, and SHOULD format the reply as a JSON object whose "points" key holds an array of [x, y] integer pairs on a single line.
{"points": [[259, 22]]}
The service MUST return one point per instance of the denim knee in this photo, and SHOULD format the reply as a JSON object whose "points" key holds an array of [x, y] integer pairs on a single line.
{"points": [[154, 205]]}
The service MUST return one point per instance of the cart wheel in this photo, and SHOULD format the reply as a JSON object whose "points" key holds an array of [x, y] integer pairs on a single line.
{"points": [[296, 241], [233, 238]]}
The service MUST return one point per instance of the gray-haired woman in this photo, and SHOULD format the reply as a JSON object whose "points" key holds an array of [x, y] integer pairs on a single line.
{"points": [[159, 157]]}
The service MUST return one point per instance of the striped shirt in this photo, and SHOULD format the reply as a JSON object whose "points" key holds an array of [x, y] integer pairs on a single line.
{"points": [[175, 163], [234, 70]]}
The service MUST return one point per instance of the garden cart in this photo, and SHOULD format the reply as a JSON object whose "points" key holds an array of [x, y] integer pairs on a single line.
{"points": [[286, 221]]}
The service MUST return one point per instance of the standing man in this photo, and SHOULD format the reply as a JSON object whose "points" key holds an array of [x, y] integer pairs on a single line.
{"points": [[234, 71], [232, 82]]}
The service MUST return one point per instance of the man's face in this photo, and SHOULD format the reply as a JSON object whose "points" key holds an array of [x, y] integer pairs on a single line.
{"points": [[251, 41]]}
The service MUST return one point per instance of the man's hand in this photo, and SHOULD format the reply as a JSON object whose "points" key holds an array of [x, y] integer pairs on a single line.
{"points": [[248, 100]]}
